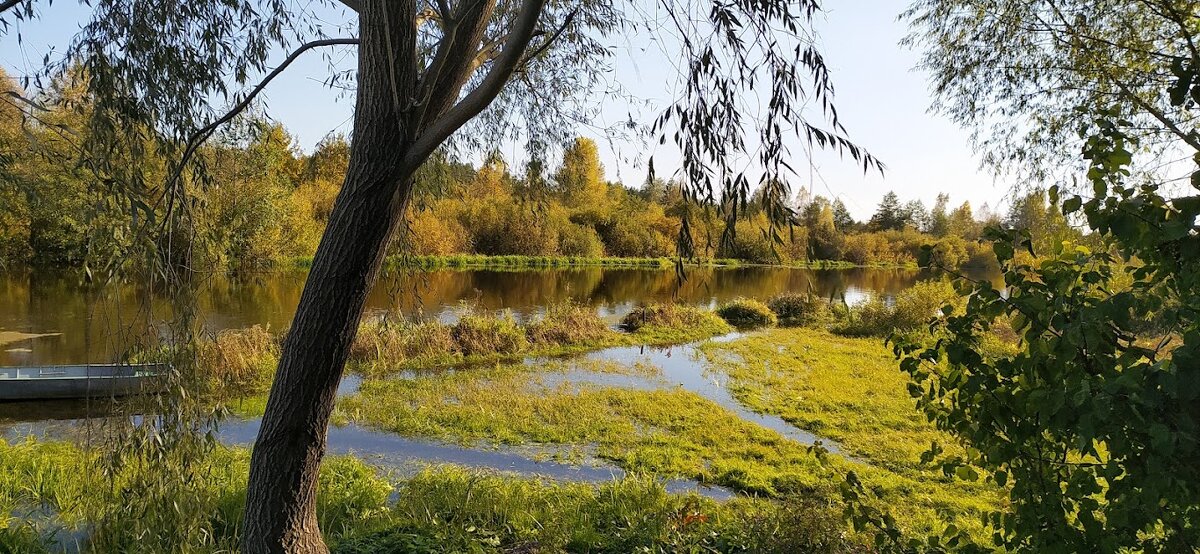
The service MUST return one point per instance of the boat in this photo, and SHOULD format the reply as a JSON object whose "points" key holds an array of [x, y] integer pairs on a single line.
{"points": [[77, 381]]}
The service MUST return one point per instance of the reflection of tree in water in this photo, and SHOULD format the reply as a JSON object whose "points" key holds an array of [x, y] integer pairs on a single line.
{"points": [[39, 304]]}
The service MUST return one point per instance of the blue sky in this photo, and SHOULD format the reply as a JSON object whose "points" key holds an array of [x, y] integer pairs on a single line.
{"points": [[882, 101]]}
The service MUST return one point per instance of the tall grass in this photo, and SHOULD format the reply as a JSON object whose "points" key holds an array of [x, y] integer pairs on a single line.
{"points": [[747, 313], [52, 491], [665, 321], [239, 360], [448, 509], [801, 310], [911, 309]]}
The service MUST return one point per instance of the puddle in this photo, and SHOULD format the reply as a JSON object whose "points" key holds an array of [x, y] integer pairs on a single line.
{"points": [[681, 367], [406, 456], [79, 421]]}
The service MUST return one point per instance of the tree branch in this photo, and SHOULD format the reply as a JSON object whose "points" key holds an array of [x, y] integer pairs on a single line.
{"points": [[354, 5], [205, 132], [8, 5], [474, 103], [549, 41]]}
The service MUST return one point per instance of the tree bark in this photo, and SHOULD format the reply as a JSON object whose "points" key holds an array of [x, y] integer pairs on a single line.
{"points": [[280, 514]]}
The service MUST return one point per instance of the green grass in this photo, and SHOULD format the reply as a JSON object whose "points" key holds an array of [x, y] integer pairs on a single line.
{"points": [[67, 485], [518, 262], [861, 402], [447, 509]]}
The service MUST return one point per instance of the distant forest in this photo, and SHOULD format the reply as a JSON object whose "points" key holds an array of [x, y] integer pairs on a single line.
{"points": [[266, 203]]}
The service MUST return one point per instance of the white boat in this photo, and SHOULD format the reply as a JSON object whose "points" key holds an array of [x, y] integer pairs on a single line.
{"points": [[76, 381]]}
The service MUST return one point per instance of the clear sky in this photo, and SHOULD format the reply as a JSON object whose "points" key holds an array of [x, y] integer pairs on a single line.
{"points": [[881, 98]]}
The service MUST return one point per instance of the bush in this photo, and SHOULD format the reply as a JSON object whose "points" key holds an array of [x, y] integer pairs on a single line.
{"points": [[745, 313], [800, 310], [578, 240], [568, 324], [485, 335], [910, 310]]}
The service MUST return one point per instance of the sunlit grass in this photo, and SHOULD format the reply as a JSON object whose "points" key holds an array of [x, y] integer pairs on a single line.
{"points": [[676, 433]]}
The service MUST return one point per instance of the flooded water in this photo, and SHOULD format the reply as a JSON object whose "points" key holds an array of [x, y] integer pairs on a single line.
{"points": [[94, 327], [47, 320]]}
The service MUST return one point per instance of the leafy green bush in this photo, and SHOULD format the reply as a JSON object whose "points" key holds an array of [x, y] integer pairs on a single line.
{"points": [[800, 310], [578, 240], [911, 309], [746, 313]]}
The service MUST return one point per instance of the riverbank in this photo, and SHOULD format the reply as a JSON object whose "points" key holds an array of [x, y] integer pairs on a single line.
{"points": [[518, 263]]}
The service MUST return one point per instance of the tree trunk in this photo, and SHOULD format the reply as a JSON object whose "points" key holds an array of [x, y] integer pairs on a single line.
{"points": [[280, 514]]}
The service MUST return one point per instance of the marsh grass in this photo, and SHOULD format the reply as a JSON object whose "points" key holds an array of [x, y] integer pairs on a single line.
{"points": [[489, 335], [794, 309], [67, 486], [239, 360], [570, 324], [667, 323], [747, 313], [389, 344], [911, 310], [448, 509], [847, 390]]}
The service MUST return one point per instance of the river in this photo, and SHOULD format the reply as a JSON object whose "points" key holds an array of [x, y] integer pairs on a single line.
{"points": [[82, 326]]}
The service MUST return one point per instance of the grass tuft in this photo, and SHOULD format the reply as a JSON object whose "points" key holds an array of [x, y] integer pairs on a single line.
{"points": [[746, 313], [801, 310]]}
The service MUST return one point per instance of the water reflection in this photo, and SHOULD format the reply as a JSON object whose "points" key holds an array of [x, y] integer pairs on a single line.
{"points": [[95, 328]]}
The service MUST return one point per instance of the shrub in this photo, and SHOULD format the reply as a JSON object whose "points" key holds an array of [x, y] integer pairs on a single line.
{"points": [[578, 240], [800, 310], [484, 335], [910, 310], [567, 324], [745, 313]]}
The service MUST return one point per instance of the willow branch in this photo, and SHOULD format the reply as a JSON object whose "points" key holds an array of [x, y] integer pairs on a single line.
{"points": [[202, 135], [553, 37], [354, 5]]}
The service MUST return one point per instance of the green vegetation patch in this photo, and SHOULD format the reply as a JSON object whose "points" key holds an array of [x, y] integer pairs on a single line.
{"points": [[801, 310], [448, 509], [676, 433], [746, 313], [673, 323], [51, 487]]}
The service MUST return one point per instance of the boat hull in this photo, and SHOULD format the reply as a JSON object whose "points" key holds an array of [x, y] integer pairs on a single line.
{"points": [[86, 381]]}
